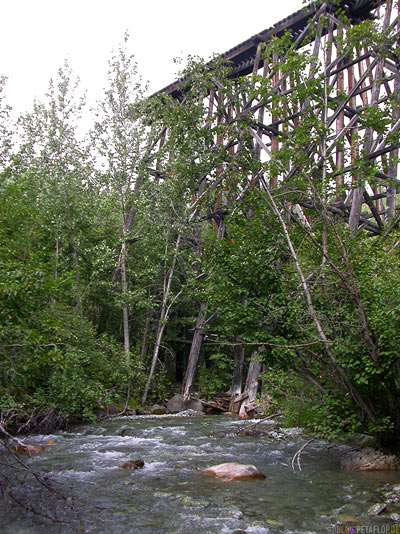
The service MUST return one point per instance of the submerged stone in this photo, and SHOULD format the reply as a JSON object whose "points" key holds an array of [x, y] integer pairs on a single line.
{"points": [[274, 523], [133, 464], [127, 431], [234, 471], [190, 413], [346, 518], [190, 501], [28, 449], [376, 509]]}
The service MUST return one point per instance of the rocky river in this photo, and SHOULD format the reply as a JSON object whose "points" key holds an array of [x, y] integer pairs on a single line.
{"points": [[170, 495]]}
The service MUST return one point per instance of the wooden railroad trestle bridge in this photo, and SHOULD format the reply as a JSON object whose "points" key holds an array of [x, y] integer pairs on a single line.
{"points": [[368, 79]]}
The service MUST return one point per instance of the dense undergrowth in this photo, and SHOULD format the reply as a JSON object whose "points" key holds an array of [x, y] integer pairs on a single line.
{"points": [[111, 244]]}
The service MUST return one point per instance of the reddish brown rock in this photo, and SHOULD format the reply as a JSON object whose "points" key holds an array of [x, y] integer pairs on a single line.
{"points": [[369, 460], [27, 449], [133, 464], [234, 471]]}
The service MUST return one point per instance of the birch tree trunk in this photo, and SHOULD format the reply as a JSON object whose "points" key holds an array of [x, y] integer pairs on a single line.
{"points": [[125, 308], [75, 261], [164, 314], [159, 335]]}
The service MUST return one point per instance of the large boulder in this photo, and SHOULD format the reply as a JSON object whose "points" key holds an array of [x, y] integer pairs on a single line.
{"points": [[156, 409], [234, 471], [175, 405], [369, 460], [178, 404], [194, 405]]}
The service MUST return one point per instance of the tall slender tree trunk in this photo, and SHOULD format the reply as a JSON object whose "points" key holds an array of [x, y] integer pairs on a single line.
{"points": [[159, 335], [164, 314], [125, 307], [201, 318], [367, 408], [145, 343], [56, 256], [194, 350], [75, 262]]}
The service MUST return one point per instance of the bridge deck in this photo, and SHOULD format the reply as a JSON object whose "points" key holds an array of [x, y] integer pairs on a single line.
{"points": [[243, 55]]}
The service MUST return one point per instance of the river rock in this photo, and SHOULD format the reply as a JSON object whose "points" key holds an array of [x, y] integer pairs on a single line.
{"points": [[196, 503], [127, 431], [133, 464], [369, 460], [190, 413], [234, 471], [158, 410], [377, 509], [194, 405], [178, 404], [26, 448], [175, 405], [346, 518]]}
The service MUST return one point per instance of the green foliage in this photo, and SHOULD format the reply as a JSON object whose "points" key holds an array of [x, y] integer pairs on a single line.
{"points": [[217, 375], [82, 373], [320, 304]]}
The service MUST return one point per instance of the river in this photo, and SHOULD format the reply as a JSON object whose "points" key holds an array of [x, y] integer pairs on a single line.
{"points": [[171, 496]]}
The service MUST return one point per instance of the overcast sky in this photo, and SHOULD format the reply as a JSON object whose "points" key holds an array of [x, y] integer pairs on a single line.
{"points": [[36, 36]]}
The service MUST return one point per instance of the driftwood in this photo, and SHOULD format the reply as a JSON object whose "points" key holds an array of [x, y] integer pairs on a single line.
{"points": [[296, 457], [219, 403], [214, 405], [15, 442], [246, 429]]}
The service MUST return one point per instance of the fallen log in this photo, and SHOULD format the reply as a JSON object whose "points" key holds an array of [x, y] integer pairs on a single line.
{"points": [[213, 405]]}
